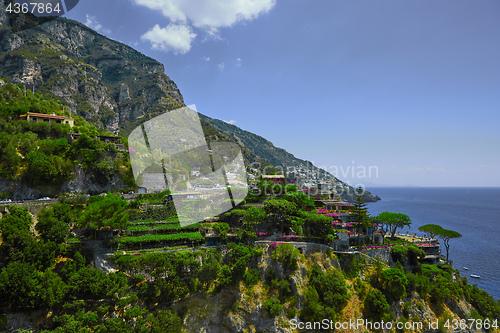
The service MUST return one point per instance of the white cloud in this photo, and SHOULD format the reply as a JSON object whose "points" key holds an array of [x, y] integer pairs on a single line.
{"points": [[221, 66], [209, 15], [238, 62], [174, 37], [232, 122], [206, 58], [92, 23]]}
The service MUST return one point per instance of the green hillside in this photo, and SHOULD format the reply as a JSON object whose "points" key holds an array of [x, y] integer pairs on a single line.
{"points": [[42, 155]]}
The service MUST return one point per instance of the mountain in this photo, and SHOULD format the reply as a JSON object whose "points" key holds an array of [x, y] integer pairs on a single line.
{"points": [[117, 88], [259, 145], [106, 82], [301, 171]]}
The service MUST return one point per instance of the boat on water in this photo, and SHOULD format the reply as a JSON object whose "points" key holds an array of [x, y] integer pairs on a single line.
{"points": [[466, 268], [475, 276]]}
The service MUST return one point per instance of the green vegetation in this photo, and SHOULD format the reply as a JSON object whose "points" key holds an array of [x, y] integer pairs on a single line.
{"points": [[42, 268], [376, 306], [272, 306], [392, 221], [39, 154], [325, 296], [166, 212], [107, 211], [411, 254], [288, 255], [47, 271], [53, 222], [445, 234], [163, 240], [254, 215], [393, 282], [168, 226]]}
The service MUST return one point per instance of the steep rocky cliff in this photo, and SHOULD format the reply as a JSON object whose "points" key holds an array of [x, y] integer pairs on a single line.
{"points": [[106, 82], [117, 88]]}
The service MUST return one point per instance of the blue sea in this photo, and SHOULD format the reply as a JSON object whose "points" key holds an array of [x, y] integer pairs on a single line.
{"points": [[473, 212]]}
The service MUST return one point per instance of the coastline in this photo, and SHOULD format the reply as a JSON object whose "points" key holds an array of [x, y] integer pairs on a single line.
{"points": [[455, 208]]}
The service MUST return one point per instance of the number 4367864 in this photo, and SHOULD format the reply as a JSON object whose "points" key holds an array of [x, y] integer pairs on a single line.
{"points": [[33, 7], [471, 324]]}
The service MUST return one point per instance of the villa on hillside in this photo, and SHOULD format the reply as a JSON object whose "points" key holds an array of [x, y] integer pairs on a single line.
{"points": [[343, 219], [48, 118], [339, 210]]}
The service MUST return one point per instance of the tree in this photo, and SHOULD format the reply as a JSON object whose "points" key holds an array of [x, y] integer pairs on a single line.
{"points": [[288, 255], [376, 306], [254, 215], [15, 227], [11, 161], [109, 211], [279, 210], [325, 296], [273, 307], [392, 221], [317, 225], [52, 289], [165, 321], [41, 170], [431, 229], [412, 253], [19, 286], [394, 282], [221, 230], [302, 200], [51, 227], [360, 211], [445, 234], [246, 233]]}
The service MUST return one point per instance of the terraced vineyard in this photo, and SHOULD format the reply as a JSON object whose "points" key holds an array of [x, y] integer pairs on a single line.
{"points": [[163, 227], [134, 242], [157, 233]]}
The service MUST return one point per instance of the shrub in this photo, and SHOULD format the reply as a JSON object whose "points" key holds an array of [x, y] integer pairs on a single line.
{"points": [[251, 277], [254, 215], [273, 306], [325, 296], [288, 255], [376, 306], [394, 283], [484, 303], [411, 253]]}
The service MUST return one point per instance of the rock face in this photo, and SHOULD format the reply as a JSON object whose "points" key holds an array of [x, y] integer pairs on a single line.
{"points": [[80, 182], [106, 82], [83, 182], [19, 190], [117, 88]]}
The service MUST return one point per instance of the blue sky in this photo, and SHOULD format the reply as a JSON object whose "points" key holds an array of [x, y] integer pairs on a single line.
{"points": [[409, 90]]}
